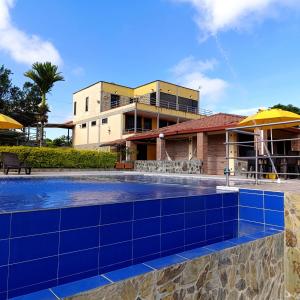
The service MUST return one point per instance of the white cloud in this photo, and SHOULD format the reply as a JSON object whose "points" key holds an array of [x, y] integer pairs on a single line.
{"points": [[247, 111], [22, 47], [220, 15], [78, 71], [191, 73]]}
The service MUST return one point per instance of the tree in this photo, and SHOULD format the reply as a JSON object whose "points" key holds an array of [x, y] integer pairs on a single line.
{"points": [[44, 75], [288, 107], [20, 104]]}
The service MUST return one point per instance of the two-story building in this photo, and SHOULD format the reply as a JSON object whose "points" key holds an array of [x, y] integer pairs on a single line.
{"points": [[105, 112]]}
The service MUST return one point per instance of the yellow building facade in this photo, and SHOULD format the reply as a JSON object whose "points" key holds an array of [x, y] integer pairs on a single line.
{"points": [[105, 112]]}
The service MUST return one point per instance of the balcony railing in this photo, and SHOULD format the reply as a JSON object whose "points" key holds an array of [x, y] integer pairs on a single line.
{"points": [[162, 104]]}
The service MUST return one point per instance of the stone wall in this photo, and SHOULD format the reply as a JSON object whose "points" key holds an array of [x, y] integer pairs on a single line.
{"points": [[292, 245], [249, 271], [165, 166]]}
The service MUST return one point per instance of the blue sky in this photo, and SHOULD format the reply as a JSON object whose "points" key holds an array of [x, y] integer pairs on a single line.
{"points": [[242, 55]]}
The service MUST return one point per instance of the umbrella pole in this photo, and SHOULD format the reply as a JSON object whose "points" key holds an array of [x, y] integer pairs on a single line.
{"points": [[272, 163], [272, 146]]}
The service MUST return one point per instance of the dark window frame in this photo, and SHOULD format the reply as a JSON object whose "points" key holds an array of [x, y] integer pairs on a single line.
{"points": [[104, 121], [86, 103], [83, 125], [74, 108], [93, 123]]}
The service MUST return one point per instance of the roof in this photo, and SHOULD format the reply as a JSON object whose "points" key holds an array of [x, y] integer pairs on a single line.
{"points": [[113, 143], [211, 123], [66, 125], [181, 86]]}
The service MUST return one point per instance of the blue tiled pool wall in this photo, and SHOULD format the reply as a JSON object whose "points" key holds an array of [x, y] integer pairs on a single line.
{"points": [[44, 248], [260, 210]]}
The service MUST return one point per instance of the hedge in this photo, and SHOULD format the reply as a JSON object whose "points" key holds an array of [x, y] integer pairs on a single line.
{"points": [[62, 157]]}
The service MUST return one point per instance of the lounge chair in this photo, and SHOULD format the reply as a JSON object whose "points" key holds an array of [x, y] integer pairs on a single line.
{"points": [[11, 161]]}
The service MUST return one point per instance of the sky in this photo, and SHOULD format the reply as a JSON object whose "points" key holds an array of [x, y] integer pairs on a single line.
{"points": [[242, 55]]}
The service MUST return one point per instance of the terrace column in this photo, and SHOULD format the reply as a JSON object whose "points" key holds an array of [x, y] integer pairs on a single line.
{"points": [[130, 150], [160, 149], [202, 150]]}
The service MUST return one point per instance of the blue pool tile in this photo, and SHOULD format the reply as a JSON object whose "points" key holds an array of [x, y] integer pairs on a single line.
{"points": [[262, 234], [146, 209], [115, 233], [252, 200], [73, 288], [273, 227], [273, 217], [214, 241], [4, 252], [40, 295], [194, 253], [3, 279], [78, 217], [77, 262], [230, 199], [230, 229], [214, 231], [146, 258], [172, 223], [128, 272], [33, 247], [117, 266], [34, 222], [194, 219], [172, 240], [40, 271], [241, 240], [194, 203], [194, 235], [251, 191], [166, 261], [172, 206], [114, 254], [274, 202], [214, 216], [252, 214], [195, 245], [146, 227], [4, 225], [115, 213], [172, 251], [32, 288], [220, 246], [270, 193], [146, 246], [213, 201], [3, 296], [78, 239], [76, 277], [230, 213], [247, 227]]}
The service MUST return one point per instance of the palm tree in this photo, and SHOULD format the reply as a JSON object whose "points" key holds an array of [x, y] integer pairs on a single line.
{"points": [[44, 75]]}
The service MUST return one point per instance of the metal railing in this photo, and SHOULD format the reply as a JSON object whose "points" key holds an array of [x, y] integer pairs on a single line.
{"points": [[281, 165], [162, 104]]}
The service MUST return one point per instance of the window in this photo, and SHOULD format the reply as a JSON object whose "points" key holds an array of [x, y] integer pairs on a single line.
{"points": [[87, 104], [147, 124], [74, 108], [153, 99], [104, 121], [93, 123], [114, 101], [83, 125], [167, 100]]}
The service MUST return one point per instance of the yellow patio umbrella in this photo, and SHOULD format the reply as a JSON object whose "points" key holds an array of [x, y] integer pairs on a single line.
{"points": [[274, 115], [7, 122]]}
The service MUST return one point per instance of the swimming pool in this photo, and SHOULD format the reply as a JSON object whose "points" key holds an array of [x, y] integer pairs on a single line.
{"points": [[61, 230]]}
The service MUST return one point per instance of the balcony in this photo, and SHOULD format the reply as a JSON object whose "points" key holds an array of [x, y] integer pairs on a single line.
{"points": [[162, 104]]}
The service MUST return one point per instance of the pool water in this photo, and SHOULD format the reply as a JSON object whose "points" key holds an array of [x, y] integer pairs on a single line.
{"points": [[29, 194]]}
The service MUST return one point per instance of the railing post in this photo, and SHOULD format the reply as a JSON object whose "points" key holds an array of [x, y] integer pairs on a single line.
{"points": [[227, 159]]}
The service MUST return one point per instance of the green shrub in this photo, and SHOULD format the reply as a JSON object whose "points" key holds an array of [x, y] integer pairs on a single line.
{"points": [[45, 157]]}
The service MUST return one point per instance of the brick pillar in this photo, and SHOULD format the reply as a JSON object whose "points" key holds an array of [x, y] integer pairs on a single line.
{"points": [[202, 150], [160, 149], [130, 150]]}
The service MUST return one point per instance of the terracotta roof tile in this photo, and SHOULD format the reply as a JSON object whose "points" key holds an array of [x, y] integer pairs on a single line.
{"points": [[214, 122]]}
